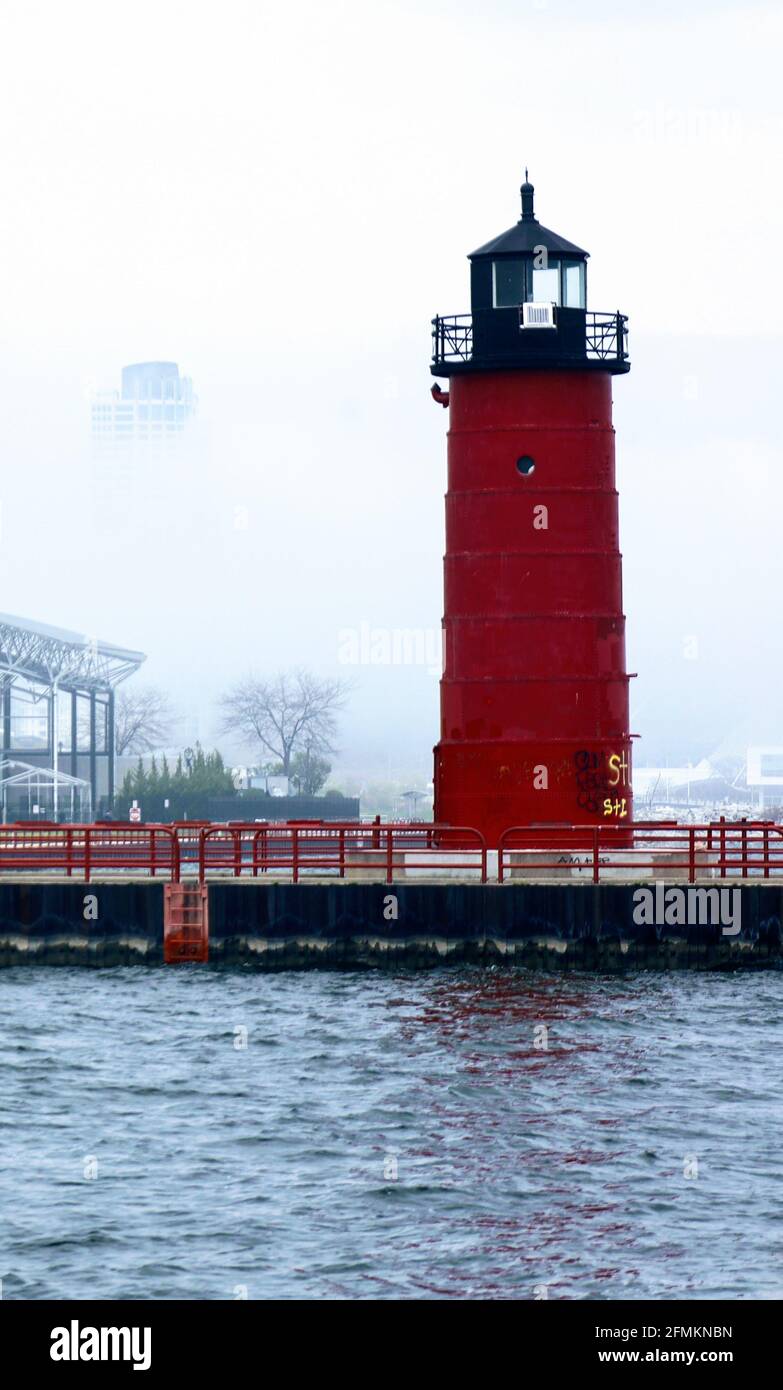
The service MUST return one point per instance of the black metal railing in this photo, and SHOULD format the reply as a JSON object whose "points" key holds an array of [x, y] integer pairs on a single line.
{"points": [[606, 338], [606, 335], [452, 338]]}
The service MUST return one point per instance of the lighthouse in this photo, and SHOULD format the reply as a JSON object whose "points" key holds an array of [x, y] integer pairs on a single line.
{"points": [[534, 692]]}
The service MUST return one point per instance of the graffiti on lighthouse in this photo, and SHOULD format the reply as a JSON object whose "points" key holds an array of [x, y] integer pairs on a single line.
{"points": [[602, 781]]}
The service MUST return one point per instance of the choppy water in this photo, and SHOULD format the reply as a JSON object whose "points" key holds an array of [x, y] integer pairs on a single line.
{"points": [[389, 1135]]}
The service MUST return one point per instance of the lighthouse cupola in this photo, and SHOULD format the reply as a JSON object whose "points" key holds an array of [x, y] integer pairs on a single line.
{"points": [[529, 307]]}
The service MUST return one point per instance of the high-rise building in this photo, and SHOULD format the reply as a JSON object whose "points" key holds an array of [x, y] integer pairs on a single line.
{"points": [[153, 405]]}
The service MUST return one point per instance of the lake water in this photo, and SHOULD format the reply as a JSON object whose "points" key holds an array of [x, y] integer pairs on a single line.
{"points": [[195, 1133]]}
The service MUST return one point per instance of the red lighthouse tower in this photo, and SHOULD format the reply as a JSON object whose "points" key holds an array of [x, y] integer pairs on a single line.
{"points": [[534, 694]]}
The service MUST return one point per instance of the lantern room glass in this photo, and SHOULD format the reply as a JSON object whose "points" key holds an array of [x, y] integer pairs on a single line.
{"points": [[518, 280], [546, 283], [509, 282], [574, 284]]}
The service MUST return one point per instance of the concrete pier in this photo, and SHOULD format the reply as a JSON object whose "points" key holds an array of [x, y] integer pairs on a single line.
{"points": [[556, 925]]}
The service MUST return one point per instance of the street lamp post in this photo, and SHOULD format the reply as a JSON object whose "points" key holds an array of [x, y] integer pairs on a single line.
{"points": [[55, 752]]}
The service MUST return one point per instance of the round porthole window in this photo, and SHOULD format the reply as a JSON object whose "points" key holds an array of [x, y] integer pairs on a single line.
{"points": [[526, 465]]}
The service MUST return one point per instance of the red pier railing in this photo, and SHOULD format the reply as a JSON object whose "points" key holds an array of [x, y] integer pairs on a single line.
{"points": [[82, 850], [719, 849], [297, 850], [339, 849]]}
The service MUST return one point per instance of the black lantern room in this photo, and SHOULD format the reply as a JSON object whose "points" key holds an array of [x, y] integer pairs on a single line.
{"points": [[528, 290]]}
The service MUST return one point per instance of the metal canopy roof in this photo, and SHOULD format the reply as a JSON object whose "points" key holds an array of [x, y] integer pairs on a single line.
{"points": [[76, 661], [14, 773]]}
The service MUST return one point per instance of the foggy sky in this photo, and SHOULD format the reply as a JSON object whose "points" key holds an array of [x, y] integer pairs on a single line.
{"points": [[280, 198]]}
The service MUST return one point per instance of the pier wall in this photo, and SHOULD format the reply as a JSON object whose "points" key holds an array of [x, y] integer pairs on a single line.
{"points": [[283, 926]]}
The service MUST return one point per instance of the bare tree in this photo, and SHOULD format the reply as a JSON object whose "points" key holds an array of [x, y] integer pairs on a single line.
{"points": [[143, 720], [291, 712]]}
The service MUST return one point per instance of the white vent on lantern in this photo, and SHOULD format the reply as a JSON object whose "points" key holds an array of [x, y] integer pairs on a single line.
{"points": [[538, 316]]}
